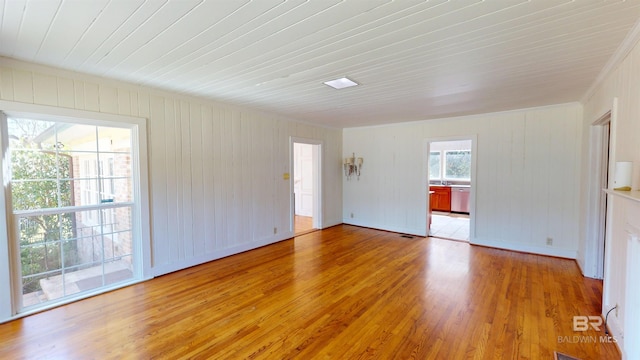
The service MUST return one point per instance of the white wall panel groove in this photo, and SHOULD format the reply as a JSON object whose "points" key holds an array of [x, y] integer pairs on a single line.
{"points": [[216, 171], [623, 84], [527, 177]]}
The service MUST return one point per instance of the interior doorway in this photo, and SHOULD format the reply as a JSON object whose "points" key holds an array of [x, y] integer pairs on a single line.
{"points": [[604, 178], [305, 182], [602, 139], [451, 185]]}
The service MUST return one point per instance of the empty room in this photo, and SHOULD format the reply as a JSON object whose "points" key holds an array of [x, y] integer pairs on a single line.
{"points": [[320, 179]]}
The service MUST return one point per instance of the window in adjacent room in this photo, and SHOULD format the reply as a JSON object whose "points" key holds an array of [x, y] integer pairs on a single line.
{"points": [[434, 165], [457, 165]]}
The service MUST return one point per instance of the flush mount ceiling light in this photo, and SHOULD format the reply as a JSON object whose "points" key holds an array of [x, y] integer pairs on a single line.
{"points": [[341, 83]]}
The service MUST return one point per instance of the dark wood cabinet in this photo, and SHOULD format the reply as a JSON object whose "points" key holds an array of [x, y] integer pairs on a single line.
{"points": [[441, 198]]}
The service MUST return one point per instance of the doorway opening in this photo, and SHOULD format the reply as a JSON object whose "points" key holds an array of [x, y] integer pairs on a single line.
{"points": [[602, 140], [306, 184], [450, 178]]}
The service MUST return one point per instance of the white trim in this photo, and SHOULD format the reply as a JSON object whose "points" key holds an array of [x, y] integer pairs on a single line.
{"points": [[218, 254], [53, 113], [595, 224], [318, 204], [539, 250], [6, 300], [64, 209], [473, 187], [594, 242]]}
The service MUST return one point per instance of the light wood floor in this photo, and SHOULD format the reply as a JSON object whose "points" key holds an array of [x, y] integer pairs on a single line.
{"points": [[340, 293], [303, 225]]}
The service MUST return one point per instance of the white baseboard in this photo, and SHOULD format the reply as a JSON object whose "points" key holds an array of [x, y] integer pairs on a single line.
{"points": [[397, 229], [218, 254], [533, 249]]}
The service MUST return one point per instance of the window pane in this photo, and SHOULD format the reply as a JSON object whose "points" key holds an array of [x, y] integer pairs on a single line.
{"points": [[32, 195], [114, 140], [88, 229], [434, 165], [30, 164], [118, 270], [31, 134], [76, 138], [84, 167], [458, 165]]}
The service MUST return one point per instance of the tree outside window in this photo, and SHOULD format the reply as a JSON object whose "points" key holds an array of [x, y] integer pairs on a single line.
{"points": [[458, 165], [37, 169]]}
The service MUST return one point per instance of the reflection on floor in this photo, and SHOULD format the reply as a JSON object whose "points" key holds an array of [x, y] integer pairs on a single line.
{"points": [[303, 225], [450, 226]]}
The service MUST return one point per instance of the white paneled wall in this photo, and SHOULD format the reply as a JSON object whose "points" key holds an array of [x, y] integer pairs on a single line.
{"points": [[527, 185], [623, 84], [216, 171]]}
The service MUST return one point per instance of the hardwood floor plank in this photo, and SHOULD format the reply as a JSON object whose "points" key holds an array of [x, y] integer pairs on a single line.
{"points": [[340, 293]]}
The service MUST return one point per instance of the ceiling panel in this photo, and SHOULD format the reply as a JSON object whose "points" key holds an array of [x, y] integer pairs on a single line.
{"points": [[38, 20], [414, 59], [102, 33], [114, 31]]}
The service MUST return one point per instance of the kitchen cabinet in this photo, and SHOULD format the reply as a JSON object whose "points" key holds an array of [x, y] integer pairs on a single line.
{"points": [[430, 211], [441, 198]]}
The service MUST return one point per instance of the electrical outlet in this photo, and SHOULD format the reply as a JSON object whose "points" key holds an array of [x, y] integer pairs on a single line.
{"points": [[549, 241], [352, 215], [275, 230]]}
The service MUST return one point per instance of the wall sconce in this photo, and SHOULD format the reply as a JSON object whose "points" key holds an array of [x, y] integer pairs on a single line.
{"points": [[352, 165]]}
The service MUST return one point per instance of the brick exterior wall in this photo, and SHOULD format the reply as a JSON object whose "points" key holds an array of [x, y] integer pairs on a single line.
{"points": [[91, 244]]}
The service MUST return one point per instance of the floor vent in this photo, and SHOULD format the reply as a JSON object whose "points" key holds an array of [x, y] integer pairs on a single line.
{"points": [[407, 236]]}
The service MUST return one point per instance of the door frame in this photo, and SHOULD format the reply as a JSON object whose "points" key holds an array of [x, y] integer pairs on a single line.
{"points": [[318, 146], [597, 206], [472, 190]]}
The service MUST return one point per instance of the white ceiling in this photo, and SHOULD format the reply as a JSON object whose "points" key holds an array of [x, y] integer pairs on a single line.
{"points": [[414, 59]]}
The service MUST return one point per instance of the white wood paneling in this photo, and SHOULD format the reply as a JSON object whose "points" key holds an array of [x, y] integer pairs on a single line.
{"points": [[92, 97], [78, 93], [159, 189], [6, 84], [108, 99], [216, 171], [525, 177], [623, 84], [23, 86], [66, 93], [45, 89]]}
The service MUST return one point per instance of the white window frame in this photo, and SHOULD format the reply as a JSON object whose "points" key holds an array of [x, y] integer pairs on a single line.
{"points": [[10, 291]]}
